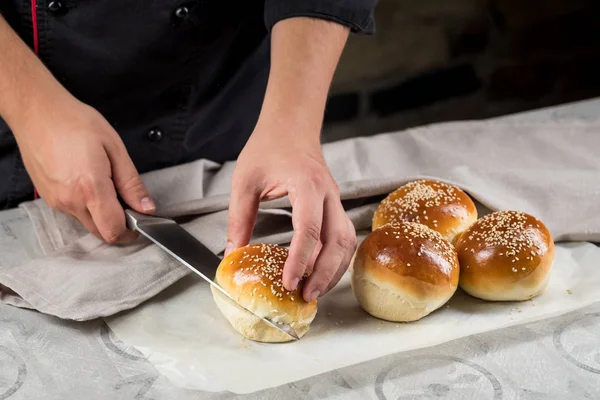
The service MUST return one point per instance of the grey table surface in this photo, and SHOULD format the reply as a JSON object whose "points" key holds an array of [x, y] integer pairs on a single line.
{"points": [[42, 357]]}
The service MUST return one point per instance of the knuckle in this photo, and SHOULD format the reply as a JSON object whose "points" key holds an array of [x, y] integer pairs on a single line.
{"points": [[316, 179], [63, 201], [112, 236], [303, 263], [346, 240], [311, 231], [132, 183], [88, 186], [325, 276]]}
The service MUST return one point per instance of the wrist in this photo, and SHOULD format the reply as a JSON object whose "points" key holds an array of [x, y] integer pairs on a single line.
{"points": [[291, 118], [287, 126], [35, 100]]}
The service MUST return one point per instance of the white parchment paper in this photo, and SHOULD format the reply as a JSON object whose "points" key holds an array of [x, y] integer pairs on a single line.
{"points": [[183, 334]]}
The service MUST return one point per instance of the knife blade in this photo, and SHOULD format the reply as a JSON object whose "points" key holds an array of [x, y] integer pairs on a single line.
{"points": [[181, 245]]}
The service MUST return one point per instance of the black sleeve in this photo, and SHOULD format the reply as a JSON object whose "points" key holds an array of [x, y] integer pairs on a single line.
{"points": [[358, 15]]}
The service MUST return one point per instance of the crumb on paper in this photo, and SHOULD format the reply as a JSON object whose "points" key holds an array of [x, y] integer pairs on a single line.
{"points": [[245, 344], [569, 291]]}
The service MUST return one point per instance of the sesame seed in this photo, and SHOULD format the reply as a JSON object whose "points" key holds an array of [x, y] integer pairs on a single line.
{"points": [[412, 201], [508, 230], [266, 263]]}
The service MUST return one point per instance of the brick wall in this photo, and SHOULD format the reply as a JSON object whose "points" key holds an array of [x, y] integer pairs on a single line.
{"points": [[440, 60]]}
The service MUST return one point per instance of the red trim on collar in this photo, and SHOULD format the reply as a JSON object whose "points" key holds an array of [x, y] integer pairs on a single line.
{"points": [[35, 26]]}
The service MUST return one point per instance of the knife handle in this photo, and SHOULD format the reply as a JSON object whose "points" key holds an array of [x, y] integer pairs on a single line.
{"points": [[135, 219], [132, 218]]}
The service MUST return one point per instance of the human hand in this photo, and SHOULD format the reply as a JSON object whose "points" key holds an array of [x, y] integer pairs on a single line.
{"points": [[78, 164], [277, 161]]}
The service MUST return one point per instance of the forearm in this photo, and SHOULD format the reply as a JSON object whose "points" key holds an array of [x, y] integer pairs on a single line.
{"points": [[304, 55], [25, 83]]}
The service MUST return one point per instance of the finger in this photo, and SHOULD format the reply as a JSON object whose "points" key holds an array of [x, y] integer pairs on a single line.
{"points": [[243, 209], [345, 263], [84, 217], [107, 213], [127, 181], [338, 244], [86, 220], [313, 258], [307, 217]]}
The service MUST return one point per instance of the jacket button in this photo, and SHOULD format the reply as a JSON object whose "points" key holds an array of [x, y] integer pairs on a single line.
{"points": [[55, 6], [155, 135], [182, 12]]}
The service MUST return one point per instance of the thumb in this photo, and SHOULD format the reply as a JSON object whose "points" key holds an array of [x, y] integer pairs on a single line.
{"points": [[128, 183], [243, 208]]}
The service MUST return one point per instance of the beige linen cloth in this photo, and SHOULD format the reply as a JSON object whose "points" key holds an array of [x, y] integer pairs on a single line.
{"points": [[551, 170]]}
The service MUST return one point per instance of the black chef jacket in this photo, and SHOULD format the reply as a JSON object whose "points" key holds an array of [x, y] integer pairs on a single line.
{"points": [[178, 80]]}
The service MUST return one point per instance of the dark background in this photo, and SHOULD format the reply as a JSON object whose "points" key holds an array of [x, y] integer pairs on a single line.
{"points": [[442, 60]]}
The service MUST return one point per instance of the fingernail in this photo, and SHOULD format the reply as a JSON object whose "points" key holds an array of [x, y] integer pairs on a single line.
{"points": [[147, 204], [229, 248], [295, 282], [313, 296]]}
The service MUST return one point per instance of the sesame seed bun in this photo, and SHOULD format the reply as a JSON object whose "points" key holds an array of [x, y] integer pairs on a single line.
{"points": [[442, 207], [505, 256], [252, 276], [404, 272]]}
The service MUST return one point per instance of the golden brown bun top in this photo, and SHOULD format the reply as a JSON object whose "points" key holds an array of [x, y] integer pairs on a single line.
{"points": [[504, 240], [441, 207], [411, 257], [252, 275]]}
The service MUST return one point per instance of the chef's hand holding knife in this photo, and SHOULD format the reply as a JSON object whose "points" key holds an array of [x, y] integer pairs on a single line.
{"points": [[76, 160]]}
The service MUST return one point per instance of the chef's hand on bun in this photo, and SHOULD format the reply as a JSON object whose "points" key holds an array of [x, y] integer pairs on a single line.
{"points": [[272, 166], [283, 157]]}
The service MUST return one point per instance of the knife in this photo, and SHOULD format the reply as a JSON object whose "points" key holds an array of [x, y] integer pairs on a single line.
{"points": [[176, 241]]}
